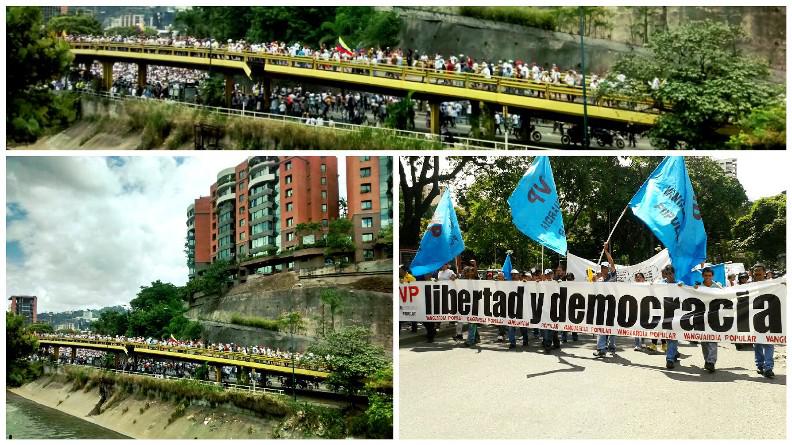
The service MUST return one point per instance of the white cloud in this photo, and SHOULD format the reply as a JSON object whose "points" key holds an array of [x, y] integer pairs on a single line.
{"points": [[96, 231]]}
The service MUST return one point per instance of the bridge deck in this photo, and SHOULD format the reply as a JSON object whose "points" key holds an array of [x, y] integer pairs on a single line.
{"points": [[516, 93], [266, 363]]}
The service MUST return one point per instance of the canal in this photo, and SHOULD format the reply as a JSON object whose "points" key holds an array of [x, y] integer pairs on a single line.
{"points": [[29, 420]]}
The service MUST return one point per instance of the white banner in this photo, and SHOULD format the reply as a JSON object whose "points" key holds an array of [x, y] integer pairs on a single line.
{"points": [[651, 268], [752, 313]]}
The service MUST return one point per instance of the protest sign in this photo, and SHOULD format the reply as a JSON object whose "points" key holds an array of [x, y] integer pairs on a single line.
{"points": [[752, 313]]}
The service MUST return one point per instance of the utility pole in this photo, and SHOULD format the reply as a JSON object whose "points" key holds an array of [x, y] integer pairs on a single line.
{"points": [[583, 72]]}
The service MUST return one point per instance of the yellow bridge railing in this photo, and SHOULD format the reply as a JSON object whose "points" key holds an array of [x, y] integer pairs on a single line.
{"points": [[193, 354], [464, 86]]}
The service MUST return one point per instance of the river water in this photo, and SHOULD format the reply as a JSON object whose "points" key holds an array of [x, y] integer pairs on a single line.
{"points": [[29, 420]]}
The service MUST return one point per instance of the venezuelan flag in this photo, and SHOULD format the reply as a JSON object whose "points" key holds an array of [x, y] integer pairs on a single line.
{"points": [[342, 47]]}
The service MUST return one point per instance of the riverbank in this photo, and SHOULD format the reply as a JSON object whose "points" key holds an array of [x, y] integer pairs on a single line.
{"points": [[145, 407], [144, 418]]}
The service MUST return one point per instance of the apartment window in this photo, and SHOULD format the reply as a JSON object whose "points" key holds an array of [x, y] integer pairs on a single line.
{"points": [[367, 223], [242, 175], [287, 165], [368, 254], [324, 195], [289, 206], [290, 265], [241, 198], [241, 223], [309, 239], [214, 237], [365, 188], [365, 158], [367, 237], [242, 236], [365, 172], [214, 248], [289, 222], [242, 210], [323, 181], [289, 193], [290, 236], [325, 223], [365, 205], [324, 208], [323, 168], [241, 186], [288, 179]]}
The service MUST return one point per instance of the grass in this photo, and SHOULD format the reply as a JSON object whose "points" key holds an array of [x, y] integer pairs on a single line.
{"points": [[543, 18], [256, 322], [171, 126]]}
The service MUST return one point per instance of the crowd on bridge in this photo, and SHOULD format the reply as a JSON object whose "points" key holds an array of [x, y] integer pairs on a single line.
{"points": [[605, 344], [303, 359], [484, 69]]}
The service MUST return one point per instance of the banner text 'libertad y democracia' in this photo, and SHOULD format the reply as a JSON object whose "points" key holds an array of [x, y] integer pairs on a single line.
{"points": [[752, 313]]}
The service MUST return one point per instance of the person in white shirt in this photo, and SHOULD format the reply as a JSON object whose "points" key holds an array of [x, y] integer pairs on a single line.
{"points": [[446, 274]]}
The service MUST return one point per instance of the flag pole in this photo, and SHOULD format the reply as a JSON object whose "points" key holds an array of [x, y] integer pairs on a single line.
{"points": [[543, 259], [611, 233]]}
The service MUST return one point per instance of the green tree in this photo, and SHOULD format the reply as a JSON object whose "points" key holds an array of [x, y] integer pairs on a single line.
{"points": [[708, 84], [111, 323], [31, 107], [292, 322], [761, 233], [339, 237], [41, 328], [350, 358], [182, 328], [211, 281], [20, 343], [334, 299], [212, 91], [763, 128], [401, 114], [80, 24], [153, 309]]}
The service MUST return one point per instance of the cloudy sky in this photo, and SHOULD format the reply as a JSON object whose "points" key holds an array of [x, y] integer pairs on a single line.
{"points": [[87, 232]]}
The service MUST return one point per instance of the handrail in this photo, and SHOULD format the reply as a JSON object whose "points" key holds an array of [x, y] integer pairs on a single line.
{"points": [[460, 142], [477, 81]]}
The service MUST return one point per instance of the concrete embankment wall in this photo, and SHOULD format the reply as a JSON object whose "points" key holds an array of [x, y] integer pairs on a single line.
{"points": [[365, 301], [142, 418]]}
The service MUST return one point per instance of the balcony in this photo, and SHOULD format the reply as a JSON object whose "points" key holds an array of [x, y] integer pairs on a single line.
{"points": [[229, 196], [264, 177]]}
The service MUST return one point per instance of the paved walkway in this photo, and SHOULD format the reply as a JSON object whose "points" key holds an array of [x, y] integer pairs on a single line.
{"points": [[489, 391]]}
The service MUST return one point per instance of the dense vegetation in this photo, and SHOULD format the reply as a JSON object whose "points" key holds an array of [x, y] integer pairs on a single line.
{"points": [[593, 191], [710, 90], [359, 26], [20, 343]]}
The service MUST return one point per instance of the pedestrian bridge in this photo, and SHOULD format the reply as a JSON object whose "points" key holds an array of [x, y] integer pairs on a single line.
{"points": [[273, 365], [535, 99]]}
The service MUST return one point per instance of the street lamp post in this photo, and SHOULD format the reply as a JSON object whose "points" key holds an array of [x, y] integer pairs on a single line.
{"points": [[294, 381]]}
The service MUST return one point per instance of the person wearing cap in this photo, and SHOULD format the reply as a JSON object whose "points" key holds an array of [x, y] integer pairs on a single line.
{"points": [[709, 349], [473, 335], [763, 354], [639, 278], [607, 274]]}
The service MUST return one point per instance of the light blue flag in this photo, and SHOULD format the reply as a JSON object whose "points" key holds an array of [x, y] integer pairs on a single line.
{"points": [[507, 267], [667, 204], [442, 240], [534, 207], [718, 275]]}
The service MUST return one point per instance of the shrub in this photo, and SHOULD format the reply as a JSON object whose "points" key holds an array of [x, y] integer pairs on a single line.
{"points": [[256, 322]]}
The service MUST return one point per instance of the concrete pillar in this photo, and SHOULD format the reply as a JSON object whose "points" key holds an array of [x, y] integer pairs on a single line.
{"points": [[434, 116], [116, 360], [229, 89], [107, 76], [142, 77], [73, 354], [475, 119], [218, 374], [243, 372], [56, 353]]}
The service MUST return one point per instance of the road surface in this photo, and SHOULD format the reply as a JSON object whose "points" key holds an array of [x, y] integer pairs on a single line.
{"points": [[489, 391]]}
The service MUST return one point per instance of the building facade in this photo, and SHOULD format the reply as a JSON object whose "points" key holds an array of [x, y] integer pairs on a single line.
{"points": [[265, 214], [370, 204], [26, 306]]}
